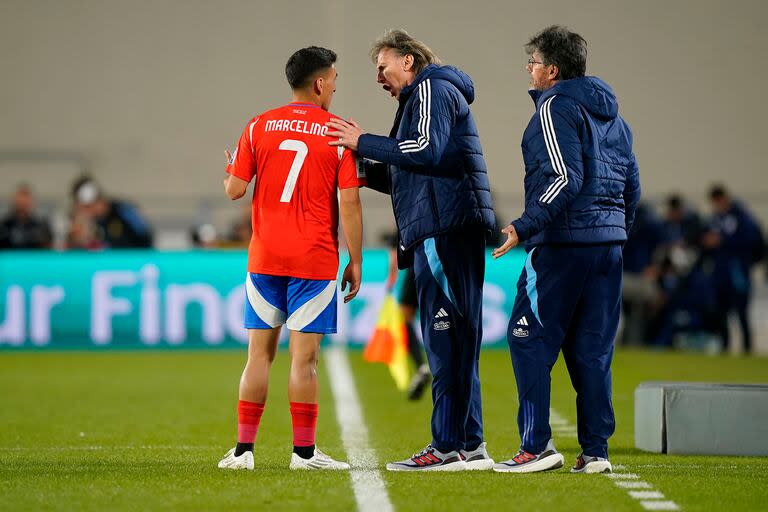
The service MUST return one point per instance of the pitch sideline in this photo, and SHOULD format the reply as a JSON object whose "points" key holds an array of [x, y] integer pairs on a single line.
{"points": [[370, 490]]}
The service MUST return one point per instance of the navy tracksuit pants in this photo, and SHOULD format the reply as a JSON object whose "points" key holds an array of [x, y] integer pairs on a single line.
{"points": [[449, 271], [568, 298]]}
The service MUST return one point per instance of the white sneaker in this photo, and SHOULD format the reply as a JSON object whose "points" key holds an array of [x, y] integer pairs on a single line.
{"points": [[430, 459], [318, 461], [478, 459], [244, 461], [525, 462], [589, 464]]}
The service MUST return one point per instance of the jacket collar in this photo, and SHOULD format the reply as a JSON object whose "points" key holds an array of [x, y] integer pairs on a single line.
{"points": [[408, 89]]}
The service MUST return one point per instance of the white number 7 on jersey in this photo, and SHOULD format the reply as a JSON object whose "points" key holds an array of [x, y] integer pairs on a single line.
{"points": [[301, 153]]}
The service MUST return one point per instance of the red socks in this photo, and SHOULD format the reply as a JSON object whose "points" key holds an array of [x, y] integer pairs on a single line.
{"points": [[304, 420], [248, 417]]}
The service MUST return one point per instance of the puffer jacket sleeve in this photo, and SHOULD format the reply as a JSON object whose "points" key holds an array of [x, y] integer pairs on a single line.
{"points": [[561, 172], [432, 114], [631, 193]]}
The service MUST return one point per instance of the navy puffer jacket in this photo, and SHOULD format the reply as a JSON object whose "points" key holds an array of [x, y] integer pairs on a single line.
{"points": [[581, 177], [435, 170]]}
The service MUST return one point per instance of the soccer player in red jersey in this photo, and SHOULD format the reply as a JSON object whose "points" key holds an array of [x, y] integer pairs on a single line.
{"points": [[293, 254]]}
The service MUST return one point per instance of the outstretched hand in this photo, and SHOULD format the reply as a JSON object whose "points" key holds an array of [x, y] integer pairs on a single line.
{"points": [[512, 240], [347, 133]]}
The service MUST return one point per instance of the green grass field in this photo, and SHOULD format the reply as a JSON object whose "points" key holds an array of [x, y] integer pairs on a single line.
{"points": [[143, 431]]}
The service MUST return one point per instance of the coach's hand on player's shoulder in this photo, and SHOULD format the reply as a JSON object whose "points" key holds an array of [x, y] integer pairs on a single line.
{"points": [[347, 132], [512, 241], [353, 274]]}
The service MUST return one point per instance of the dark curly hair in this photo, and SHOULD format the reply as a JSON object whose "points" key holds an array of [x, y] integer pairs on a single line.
{"points": [[565, 49]]}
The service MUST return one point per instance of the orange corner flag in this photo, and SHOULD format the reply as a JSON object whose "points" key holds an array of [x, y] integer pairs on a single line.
{"points": [[388, 344]]}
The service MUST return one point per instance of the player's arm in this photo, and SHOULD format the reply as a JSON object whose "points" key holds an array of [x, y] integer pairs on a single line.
{"points": [[562, 171], [350, 177], [234, 187], [351, 215], [241, 167]]}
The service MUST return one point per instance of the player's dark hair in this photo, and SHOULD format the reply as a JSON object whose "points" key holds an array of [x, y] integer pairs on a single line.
{"points": [[303, 66], [565, 49], [674, 202], [717, 192]]}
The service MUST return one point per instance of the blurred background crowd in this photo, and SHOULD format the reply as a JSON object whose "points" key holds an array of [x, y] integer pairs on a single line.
{"points": [[686, 271], [96, 220]]}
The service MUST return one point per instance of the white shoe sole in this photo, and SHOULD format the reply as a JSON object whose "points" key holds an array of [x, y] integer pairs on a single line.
{"points": [[459, 465], [245, 461], [598, 466], [236, 468], [555, 461], [480, 465], [293, 467]]}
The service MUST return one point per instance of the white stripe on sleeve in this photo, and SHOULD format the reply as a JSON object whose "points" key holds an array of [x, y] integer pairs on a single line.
{"points": [[250, 135], [425, 112], [553, 149]]}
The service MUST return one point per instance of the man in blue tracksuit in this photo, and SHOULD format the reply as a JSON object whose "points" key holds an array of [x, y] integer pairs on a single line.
{"points": [[581, 192], [433, 167], [734, 244]]}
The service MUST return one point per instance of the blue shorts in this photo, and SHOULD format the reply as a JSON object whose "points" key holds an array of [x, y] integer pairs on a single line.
{"points": [[304, 305]]}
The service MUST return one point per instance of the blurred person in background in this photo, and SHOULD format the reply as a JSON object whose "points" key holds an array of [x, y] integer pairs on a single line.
{"points": [[681, 225], [409, 305], [82, 232], [735, 243], [241, 232], [119, 224], [204, 236], [302, 188], [640, 291], [687, 302], [433, 167], [686, 298], [22, 228], [582, 187]]}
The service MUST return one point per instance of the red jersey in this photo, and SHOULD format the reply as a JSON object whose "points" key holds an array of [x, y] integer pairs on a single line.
{"points": [[295, 207]]}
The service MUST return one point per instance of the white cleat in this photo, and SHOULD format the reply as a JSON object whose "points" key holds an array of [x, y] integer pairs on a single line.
{"points": [[318, 461], [244, 461], [477, 459]]}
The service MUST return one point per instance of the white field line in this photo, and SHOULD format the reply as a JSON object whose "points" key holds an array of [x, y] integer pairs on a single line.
{"points": [[630, 484], [649, 499], [561, 427], [646, 495], [370, 491], [659, 505]]}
